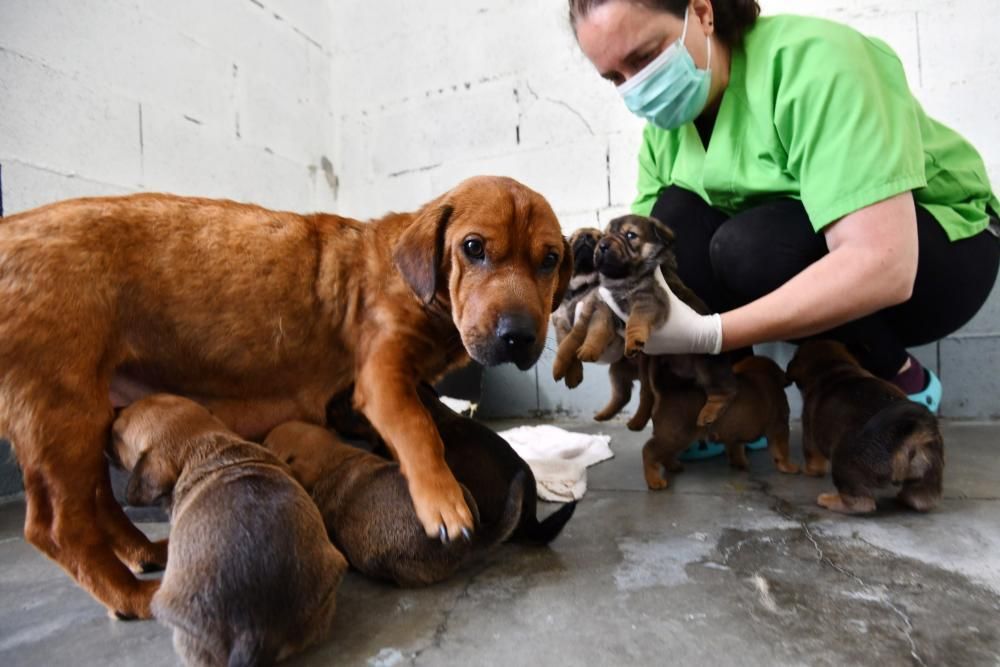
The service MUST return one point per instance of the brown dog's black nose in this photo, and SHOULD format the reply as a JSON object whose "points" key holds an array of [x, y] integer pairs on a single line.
{"points": [[603, 246], [516, 331]]}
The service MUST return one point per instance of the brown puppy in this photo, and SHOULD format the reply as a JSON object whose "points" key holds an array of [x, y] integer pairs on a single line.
{"points": [[251, 577], [368, 513], [760, 408], [630, 256], [481, 461], [873, 434], [588, 341], [263, 316]]}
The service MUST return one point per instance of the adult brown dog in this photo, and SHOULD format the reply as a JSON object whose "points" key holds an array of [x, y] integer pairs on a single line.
{"points": [[252, 577], [868, 429], [367, 512], [760, 408], [263, 316]]}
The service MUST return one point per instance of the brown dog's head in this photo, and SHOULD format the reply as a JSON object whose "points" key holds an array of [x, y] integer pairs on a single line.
{"points": [[816, 357], [306, 449], [582, 244], [150, 438], [632, 245], [492, 250]]}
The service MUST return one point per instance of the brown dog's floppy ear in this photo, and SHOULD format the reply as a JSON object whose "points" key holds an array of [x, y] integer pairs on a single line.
{"points": [[662, 232], [565, 274], [420, 249], [148, 483]]}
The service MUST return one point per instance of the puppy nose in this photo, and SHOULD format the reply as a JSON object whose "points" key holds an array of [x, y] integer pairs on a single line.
{"points": [[603, 246]]}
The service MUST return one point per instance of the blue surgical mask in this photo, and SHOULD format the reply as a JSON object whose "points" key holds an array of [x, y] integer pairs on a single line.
{"points": [[670, 91]]}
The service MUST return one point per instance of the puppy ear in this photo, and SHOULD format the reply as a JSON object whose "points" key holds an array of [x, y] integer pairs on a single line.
{"points": [[419, 251], [565, 273], [149, 482], [662, 232]]}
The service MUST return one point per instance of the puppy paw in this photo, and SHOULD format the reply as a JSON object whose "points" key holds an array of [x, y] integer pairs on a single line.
{"points": [[837, 503], [815, 468], [633, 346], [152, 559], [786, 467], [657, 483], [137, 604], [637, 423], [574, 376]]}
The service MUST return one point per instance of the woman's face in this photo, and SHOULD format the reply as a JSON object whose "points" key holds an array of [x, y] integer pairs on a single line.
{"points": [[621, 37]]}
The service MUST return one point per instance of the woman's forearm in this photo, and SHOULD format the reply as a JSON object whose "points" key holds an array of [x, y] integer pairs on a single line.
{"points": [[871, 266]]}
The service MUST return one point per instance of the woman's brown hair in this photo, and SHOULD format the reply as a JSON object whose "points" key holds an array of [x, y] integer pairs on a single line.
{"points": [[732, 17]]}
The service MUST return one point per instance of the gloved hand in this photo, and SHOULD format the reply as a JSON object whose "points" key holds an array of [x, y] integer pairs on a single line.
{"points": [[684, 332]]}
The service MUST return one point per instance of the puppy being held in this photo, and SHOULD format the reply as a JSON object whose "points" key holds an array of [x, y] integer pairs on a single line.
{"points": [[251, 577], [638, 272], [868, 429], [597, 334], [368, 513], [760, 408]]}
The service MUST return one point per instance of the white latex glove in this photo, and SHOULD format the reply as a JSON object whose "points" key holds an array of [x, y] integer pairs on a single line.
{"points": [[615, 349], [684, 332]]}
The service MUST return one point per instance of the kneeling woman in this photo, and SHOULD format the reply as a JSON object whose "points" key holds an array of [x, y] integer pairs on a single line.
{"points": [[809, 191]]}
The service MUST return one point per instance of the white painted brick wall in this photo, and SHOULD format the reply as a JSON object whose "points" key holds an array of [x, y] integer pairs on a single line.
{"points": [[229, 98]]}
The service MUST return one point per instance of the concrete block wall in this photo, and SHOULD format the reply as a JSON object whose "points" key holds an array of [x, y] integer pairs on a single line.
{"points": [[229, 98], [437, 91]]}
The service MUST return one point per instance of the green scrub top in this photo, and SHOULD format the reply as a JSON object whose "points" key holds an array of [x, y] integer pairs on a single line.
{"points": [[817, 112]]}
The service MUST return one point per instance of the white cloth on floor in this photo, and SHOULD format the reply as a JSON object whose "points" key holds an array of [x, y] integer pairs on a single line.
{"points": [[558, 458]]}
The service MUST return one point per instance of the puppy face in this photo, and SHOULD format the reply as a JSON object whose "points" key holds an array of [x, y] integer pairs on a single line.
{"points": [[632, 245], [582, 244], [814, 357], [305, 448], [148, 438], [493, 250]]}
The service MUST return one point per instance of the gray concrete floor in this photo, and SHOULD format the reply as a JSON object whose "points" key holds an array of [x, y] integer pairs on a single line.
{"points": [[725, 567]]}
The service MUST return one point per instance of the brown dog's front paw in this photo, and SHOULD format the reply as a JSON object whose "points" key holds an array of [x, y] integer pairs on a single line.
{"points": [[786, 467], [837, 503], [574, 376], [633, 346], [137, 605], [656, 482], [816, 468], [152, 558], [440, 506], [588, 353]]}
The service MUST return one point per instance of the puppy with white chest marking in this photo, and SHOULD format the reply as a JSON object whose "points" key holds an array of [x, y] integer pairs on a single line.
{"points": [[251, 577], [369, 515]]}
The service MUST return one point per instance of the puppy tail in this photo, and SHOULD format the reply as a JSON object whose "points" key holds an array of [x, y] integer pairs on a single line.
{"points": [[490, 536], [533, 531], [249, 650], [916, 440]]}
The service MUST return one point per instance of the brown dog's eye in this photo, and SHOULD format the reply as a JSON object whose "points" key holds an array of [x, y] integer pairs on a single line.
{"points": [[550, 261], [631, 236], [474, 249]]}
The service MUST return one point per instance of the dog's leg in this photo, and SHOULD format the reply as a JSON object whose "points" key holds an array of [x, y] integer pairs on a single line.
{"points": [[641, 318], [129, 543], [621, 374], [386, 393], [836, 502], [63, 522], [600, 333], [777, 444], [715, 376], [736, 453], [651, 466], [566, 353], [644, 411]]}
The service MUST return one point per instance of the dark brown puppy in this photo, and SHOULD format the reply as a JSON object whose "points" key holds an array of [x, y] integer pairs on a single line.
{"points": [[873, 434], [760, 408], [368, 512], [481, 460], [598, 329], [628, 258], [263, 316], [251, 577]]}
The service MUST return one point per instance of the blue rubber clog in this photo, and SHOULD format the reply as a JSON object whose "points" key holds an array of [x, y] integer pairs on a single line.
{"points": [[931, 395]]}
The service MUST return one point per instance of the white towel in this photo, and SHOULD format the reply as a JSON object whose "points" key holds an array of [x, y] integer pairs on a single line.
{"points": [[558, 458]]}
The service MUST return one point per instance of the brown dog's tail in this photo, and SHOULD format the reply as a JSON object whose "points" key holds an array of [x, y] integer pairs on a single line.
{"points": [[533, 531]]}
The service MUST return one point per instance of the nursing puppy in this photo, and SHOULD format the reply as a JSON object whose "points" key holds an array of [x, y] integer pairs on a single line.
{"points": [[627, 257], [368, 512], [483, 462], [760, 408], [867, 427], [596, 329], [251, 577]]}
